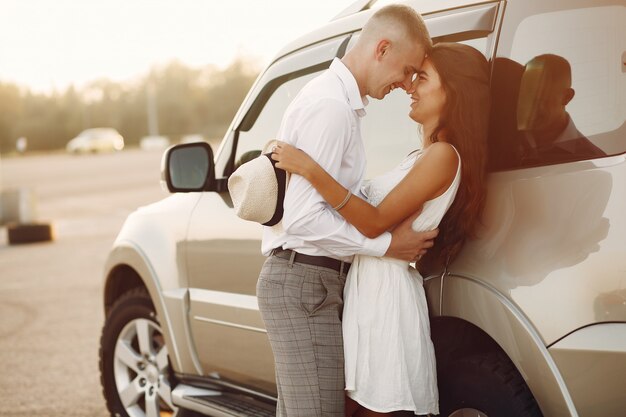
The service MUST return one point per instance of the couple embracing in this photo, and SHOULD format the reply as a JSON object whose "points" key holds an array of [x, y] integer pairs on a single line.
{"points": [[345, 312]]}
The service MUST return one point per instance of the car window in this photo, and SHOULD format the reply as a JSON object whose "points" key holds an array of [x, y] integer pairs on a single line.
{"points": [[258, 119], [388, 132], [560, 94], [266, 126]]}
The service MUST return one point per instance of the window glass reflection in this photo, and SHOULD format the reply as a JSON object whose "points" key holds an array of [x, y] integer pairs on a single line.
{"points": [[562, 95]]}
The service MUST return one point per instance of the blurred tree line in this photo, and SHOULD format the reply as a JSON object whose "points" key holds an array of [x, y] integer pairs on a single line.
{"points": [[188, 101]]}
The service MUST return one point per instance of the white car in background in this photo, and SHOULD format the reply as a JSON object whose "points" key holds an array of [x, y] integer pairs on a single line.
{"points": [[101, 139]]}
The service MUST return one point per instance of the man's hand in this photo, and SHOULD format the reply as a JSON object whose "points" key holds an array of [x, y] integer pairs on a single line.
{"points": [[407, 244]]}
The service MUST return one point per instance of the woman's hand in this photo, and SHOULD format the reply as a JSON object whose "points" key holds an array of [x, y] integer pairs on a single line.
{"points": [[293, 160]]}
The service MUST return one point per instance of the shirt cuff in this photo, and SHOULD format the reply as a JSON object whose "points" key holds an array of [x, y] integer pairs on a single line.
{"points": [[378, 246]]}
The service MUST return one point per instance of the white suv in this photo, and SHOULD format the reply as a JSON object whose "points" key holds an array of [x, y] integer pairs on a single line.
{"points": [[530, 320]]}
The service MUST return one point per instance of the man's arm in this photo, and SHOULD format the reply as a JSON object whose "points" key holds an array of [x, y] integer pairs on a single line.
{"points": [[323, 131], [407, 244]]}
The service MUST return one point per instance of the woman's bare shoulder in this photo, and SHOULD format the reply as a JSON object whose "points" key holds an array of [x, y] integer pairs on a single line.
{"points": [[439, 157], [442, 152]]}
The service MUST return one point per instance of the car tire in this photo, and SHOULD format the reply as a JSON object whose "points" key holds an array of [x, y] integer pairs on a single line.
{"points": [[485, 385], [19, 233], [135, 373]]}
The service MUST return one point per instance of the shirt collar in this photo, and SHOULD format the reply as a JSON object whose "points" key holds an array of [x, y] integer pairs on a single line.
{"points": [[357, 102]]}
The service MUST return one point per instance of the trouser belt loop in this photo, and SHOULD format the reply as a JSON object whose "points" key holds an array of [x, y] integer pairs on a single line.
{"points": [[341, 268], [292, 258]]}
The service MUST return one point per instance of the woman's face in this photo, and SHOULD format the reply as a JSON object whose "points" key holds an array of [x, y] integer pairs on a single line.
{"points": [[427, 95]]}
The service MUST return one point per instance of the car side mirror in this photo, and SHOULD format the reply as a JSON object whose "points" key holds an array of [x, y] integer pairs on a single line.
{"points": [[188, 168]]}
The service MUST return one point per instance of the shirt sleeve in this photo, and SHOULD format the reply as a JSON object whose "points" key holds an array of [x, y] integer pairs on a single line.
{"points": [[324, 130]]}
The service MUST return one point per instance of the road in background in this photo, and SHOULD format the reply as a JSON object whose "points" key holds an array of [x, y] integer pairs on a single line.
{"points": [[51, 309]]}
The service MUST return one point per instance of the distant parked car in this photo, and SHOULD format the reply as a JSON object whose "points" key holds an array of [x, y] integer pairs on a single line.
{"points": [[154, 142], [101, 139]]}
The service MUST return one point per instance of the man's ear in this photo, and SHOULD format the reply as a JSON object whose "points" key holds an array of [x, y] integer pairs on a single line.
{"points": [[382, 48], [568, 96]]}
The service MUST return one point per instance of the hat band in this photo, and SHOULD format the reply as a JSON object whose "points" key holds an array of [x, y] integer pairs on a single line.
{"points": [[281, 179]]}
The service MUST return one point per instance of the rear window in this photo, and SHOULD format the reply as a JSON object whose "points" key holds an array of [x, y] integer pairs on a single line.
{"points": [[560, 94]]}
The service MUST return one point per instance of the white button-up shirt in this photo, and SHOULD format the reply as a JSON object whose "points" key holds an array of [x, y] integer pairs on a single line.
{"points": [[324, 121]]}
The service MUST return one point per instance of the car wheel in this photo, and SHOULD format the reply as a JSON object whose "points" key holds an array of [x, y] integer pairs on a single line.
{"points": [[484, 385], [134, 367]]}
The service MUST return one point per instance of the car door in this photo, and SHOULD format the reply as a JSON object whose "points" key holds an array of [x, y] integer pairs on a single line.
{"points": [[223, 252]]}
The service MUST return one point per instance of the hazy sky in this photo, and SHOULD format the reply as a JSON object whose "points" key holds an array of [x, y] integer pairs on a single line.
{"points": [[47, 44]]}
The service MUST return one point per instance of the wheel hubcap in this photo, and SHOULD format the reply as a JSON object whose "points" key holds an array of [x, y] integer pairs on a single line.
{"points": [[468, 412], [141, 370]]}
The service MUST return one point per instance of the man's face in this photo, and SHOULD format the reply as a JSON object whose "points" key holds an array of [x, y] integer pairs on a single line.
{"points": [[396, 66]]}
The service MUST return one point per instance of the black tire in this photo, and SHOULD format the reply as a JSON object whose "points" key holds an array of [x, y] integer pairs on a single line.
{"points": [[19, 233], [133, 307], [488, 383]]}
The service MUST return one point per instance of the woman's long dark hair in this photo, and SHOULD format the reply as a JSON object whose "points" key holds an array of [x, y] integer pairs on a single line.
{"points": [[464, 74]]}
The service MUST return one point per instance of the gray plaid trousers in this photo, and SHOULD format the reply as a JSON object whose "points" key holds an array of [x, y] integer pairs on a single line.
{"points": [[301, 306]]}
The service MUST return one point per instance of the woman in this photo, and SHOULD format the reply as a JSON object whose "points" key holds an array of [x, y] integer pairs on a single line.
{"points": [[389, 357]]}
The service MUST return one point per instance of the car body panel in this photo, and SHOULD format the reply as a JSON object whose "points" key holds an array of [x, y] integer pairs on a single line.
{"points": [[160, 230], [592, 361], [224, 259], [548, 230], [498, 317], [231, 340], [150, 242], [222, 255]]}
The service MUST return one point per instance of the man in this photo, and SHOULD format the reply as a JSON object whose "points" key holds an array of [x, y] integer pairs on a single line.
{"points": [[300, 289], [551, 135]]}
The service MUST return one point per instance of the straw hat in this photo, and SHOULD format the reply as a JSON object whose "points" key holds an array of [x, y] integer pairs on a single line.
{"points": [[257, 189]]}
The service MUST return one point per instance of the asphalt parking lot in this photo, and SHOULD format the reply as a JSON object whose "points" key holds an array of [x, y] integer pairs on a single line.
{"points": [[51, 293]]}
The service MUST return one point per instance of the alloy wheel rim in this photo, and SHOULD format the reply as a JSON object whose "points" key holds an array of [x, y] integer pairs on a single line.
{"points": [[468, 412], [140, 368]]}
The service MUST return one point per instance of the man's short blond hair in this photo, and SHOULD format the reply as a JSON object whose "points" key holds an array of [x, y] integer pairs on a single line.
{"points": [[399, 18]]}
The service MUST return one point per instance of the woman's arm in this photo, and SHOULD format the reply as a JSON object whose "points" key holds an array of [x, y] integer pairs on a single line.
{"points": [[429, 177]]}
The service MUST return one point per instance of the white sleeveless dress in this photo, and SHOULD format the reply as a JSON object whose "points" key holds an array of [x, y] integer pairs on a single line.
{"points": [[389, 356]]}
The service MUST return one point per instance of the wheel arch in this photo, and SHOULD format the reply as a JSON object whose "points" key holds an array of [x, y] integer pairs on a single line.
{"points": [[473, 316], [120, 279], [454, 337], [127, 268]]}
